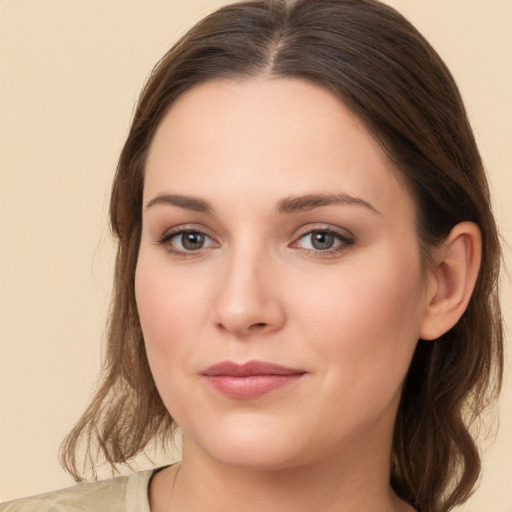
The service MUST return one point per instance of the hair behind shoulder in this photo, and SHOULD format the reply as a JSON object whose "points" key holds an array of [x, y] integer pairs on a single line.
{"points": [[378, 64]]}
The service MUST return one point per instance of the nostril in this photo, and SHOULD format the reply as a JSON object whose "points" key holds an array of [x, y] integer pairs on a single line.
{"points": [[257, 326]]}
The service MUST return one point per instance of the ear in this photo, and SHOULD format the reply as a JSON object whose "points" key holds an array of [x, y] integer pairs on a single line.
{"points": [[457, 262]]}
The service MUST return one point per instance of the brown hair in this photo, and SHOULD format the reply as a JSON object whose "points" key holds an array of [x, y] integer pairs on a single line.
{"points": [[378, 64]]}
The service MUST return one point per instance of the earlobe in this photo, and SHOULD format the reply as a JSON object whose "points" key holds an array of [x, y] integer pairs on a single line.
{"points": [[457, 262]]}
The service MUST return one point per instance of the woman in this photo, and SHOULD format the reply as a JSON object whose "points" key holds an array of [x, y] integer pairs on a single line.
{"points": [[306, 273]]}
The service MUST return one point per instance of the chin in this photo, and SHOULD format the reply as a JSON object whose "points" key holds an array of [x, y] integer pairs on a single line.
{"points": [[263, 446], [256, 458]]}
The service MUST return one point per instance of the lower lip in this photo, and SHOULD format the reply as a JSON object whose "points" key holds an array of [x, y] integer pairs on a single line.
{"points": [[251, 386]]}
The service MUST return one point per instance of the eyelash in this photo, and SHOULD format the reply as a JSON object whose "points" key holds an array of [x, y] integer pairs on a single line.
{"points": [[166, 238], [345, 242]]}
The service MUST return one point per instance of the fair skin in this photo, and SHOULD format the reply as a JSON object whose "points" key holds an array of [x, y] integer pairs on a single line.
{"points": [[239, 263]]}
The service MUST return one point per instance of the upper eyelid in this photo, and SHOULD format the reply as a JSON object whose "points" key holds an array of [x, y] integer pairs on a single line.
{"points": [[308, 228], [343, 238], [184, 228]]}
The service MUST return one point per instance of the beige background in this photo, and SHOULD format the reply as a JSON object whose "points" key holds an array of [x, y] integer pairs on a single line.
{"points": [[70, 72]]}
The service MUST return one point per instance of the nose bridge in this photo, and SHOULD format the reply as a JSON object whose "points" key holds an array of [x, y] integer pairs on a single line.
{"points": [[248, 300]]}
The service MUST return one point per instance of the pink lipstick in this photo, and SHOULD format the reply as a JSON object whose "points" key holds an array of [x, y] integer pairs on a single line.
{"points": [[249, 380]]}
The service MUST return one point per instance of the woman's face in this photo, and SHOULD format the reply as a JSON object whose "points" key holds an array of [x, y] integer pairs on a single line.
{"points": [[275, 233]]}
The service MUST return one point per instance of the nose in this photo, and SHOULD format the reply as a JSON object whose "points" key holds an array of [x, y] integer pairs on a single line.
{"points": [[249, 299]]}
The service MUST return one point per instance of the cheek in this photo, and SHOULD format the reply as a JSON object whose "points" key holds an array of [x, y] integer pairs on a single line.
{"points": [[169, 311], [363, 329], [365, 320]]}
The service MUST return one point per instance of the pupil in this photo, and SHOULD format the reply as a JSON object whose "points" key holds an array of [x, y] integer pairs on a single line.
{"points": [[193, 241], [322, 240]]}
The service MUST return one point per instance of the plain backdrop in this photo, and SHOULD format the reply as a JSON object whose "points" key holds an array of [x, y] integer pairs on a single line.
{"points": [[70, 73]]}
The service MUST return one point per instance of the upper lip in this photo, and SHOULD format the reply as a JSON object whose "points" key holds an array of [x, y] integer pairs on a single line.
{"points": [[250, 368]]}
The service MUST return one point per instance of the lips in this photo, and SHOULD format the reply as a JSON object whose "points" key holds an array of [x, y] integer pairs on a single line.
{"points": [[250, 380]]}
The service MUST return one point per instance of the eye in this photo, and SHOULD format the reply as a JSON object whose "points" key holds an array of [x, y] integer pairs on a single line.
{"points": [[323, 241], [186, 241], [320, 240]]}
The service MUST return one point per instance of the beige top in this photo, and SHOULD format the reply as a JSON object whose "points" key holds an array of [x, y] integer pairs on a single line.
{"points": [[120, 494]]}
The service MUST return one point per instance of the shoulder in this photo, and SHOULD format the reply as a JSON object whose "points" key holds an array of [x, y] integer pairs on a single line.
{"points": [[120, 494]]}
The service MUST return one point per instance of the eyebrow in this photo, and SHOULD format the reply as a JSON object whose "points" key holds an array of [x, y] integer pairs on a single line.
{"points": [[287, 205], [186, 202], [312, 201]]}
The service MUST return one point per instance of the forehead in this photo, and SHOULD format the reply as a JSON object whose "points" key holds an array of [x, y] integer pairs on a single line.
{"points": [[267, 136]]}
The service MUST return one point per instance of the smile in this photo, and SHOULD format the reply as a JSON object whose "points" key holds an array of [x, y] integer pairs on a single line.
{"points": [[250, 380]]}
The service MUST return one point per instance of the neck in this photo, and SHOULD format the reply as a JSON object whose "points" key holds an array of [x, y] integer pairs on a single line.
{"points": [[204, 484]]}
